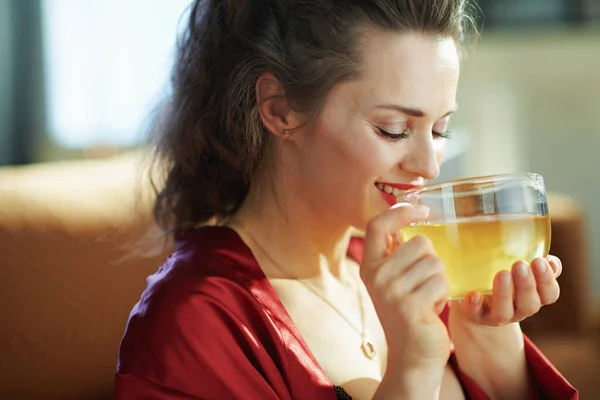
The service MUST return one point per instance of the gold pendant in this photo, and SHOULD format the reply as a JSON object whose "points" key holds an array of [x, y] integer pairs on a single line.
{"points": [[369, 349]]}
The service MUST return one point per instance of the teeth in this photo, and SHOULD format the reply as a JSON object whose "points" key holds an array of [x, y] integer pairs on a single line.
{"points": [[388, 189]]}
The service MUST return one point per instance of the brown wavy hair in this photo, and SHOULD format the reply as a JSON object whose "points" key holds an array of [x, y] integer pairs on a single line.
{"points": [[209, 138]]}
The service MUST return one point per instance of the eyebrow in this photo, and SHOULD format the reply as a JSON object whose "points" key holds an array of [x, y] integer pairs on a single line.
{"points": [[413, 112]]}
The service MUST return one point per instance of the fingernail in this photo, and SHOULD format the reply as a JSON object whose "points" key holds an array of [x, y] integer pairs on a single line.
{"points": [[476, 298], [540, 267], [398, 205], [505, 280], [522, 270]]}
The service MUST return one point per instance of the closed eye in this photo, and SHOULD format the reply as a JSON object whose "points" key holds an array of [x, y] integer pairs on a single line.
{"points": [[392, 136], [404, 135], [442, 135]]}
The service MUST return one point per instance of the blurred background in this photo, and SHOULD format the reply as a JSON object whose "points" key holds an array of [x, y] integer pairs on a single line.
{"points": [[78, 82]]}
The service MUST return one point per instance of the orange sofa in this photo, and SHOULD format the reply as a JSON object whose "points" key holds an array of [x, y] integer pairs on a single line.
{"points": [[69, 277]]}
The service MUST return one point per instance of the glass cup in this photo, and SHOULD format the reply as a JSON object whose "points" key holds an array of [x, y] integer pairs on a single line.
{"points": [[481, 226]]}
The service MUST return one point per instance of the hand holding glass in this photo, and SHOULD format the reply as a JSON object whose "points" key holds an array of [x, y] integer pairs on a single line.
{"points": [[481, 226]]}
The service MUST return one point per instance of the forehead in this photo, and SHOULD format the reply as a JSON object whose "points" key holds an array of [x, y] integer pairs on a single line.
{"points": [[410, 67]]}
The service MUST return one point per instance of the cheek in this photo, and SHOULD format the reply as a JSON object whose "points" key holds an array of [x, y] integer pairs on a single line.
{"points": [[376, 159], [342, 151], [362, 158], [348, 160]]}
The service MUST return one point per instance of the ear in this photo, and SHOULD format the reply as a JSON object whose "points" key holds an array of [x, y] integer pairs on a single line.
{"points": [[273, 107]]}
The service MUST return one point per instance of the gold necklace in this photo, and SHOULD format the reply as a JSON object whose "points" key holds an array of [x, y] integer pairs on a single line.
{"points": [[367, 346]]}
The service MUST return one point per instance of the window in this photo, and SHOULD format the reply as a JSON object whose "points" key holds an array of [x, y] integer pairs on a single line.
{"points": [[106, 64]]}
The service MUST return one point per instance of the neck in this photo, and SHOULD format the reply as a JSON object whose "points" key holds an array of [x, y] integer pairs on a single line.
{"points": [[302, 244]]}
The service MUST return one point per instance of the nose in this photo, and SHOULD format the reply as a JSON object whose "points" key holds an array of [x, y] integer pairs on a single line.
{"points": [[421, 159]]}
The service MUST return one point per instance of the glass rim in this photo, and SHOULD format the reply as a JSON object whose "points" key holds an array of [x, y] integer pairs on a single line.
{"points": [[490, 179]]}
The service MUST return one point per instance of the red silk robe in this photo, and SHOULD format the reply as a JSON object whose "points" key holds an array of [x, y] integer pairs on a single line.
{"points": [[210, 326]]}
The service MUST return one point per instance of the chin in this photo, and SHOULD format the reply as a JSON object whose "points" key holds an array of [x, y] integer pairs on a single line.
{"points": [[361, 223], [357, 216]]}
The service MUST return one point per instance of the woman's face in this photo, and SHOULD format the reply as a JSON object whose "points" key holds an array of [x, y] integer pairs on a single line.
{"points": [[386, 128]]}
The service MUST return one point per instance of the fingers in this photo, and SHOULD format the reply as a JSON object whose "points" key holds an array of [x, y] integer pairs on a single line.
{"points": [[433, 291], [527, 301], [547, 287], [416, 249], [413, 278], [516, 295], [501, 304], [472, 306], [387, 225], [555, 264]]}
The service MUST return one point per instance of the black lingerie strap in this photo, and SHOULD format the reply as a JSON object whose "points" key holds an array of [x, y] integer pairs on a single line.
{"points": [[341, 393]]}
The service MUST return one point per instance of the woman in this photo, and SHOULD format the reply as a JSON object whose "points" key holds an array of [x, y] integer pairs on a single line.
{"points": [[289, 122]]}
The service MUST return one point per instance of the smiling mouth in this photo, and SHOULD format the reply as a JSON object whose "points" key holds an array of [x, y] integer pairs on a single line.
{"points": [[393, 193]]}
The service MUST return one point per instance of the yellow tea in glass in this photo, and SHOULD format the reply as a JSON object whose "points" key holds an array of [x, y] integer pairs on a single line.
{"points": [[481, 226]]}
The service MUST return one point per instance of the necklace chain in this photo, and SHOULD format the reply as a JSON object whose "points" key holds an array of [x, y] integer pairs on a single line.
{"points": [[367, 346]]}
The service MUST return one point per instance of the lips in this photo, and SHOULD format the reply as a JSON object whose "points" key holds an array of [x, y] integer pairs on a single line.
{"points": [[391, 191]]}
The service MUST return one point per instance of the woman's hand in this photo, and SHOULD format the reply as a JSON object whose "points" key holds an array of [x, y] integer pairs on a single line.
{"points": [[515, 296], [489, 343], [408, 286]]}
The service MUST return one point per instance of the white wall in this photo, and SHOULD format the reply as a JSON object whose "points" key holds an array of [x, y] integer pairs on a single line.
{"points": [[531, 102]]}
